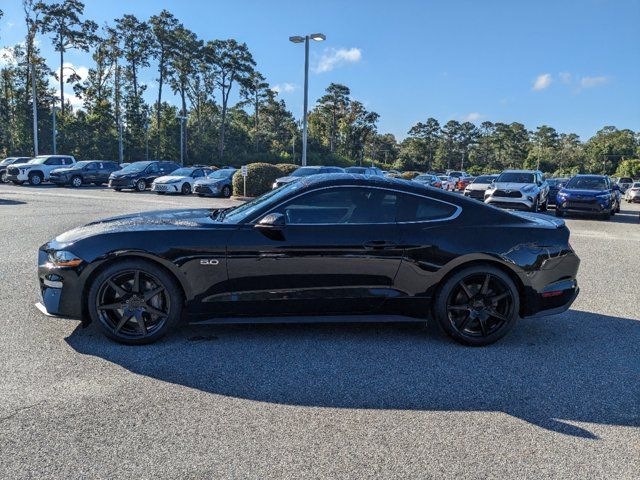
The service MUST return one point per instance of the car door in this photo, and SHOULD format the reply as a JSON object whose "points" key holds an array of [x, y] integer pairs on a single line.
{"points": [[89, 173], [153, 171], [338, 252]]}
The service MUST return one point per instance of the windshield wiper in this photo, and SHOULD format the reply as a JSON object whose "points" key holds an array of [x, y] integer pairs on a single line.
{"points": [[219, 213]]}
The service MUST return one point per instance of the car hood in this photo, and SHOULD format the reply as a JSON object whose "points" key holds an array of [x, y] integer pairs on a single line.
{"points": [[168, 178], [584, 193], [510, 185], [478, 186], [145, 221], [64, 170], [210, 181], [287, 179]]}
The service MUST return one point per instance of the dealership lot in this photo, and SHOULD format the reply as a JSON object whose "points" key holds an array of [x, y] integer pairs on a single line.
{"points": [[558, 396]]}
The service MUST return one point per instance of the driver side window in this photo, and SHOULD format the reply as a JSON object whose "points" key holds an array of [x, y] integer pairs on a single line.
{"points": [[342, 206], [153, 168]]}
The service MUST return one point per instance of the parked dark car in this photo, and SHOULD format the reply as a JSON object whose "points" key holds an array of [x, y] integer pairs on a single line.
{"points": [[589, 195], [140, 175], [305, 172], [84, 172], [4, 165], [554, 188], [321, 246]]}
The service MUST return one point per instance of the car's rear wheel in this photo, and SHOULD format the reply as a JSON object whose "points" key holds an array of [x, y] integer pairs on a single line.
{"points": [[35, 178], [76, 181], [186, 189], [141, 185], [134, 302], [226, 191], [477, 305]]}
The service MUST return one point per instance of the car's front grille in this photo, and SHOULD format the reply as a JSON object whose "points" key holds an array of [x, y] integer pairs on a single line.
{"points": [[203, 189], [120, 182], [507, 193], [477, 194], [160, 187]]}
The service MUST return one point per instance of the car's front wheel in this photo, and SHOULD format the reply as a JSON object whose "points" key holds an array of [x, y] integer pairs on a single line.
{"points": [[226, 191], [141, 185], [135, 302], [3, 177], [477, 305], [186, 189], [76, 181], [35, 179]]}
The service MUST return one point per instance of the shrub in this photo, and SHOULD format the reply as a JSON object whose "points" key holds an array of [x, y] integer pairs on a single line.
{"points": [[287, 168], [260, 178], [629, 168], [409, 175]]}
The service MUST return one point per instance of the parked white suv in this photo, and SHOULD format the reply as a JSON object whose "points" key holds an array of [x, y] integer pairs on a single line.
{"points": [[518, 189], [37, 170]]}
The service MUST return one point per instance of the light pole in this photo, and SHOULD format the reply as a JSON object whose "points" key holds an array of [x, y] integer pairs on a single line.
{"points": [[35, 110], [318, 37], [182, 118], [54, 109]]}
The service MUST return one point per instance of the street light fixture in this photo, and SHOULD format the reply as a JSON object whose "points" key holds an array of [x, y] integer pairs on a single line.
{"points": [[318, 37]]}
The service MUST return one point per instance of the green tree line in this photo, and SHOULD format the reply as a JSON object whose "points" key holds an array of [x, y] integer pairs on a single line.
{"points": [[229, 112]]}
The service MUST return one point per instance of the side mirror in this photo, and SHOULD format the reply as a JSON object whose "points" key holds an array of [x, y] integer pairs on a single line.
{"points": [[616, 187], [272, 221]]}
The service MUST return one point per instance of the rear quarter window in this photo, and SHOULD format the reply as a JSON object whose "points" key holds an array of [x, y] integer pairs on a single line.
{"points": [[413, 208]]}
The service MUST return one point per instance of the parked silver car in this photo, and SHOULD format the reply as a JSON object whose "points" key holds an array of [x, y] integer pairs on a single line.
{"points": [[519, 189], [632, 195], [480, 185]]}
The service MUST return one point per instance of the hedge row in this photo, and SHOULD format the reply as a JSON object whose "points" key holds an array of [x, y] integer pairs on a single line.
{"points": [[260, 177]]}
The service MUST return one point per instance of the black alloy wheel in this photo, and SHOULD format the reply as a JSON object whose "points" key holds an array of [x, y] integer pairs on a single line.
{"points": [[186, 189], [135, 302], [141, 185], [226, 191], [3, 177], [477, 305]]}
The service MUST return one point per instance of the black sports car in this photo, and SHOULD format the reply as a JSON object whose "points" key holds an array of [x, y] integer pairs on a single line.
{"points": [[322, 246]]}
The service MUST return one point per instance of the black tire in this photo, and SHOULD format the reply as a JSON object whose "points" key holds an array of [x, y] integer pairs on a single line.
{"points": [[17, 182], [76, 181], [118, 189], [141, 185], [226, 191], [559, 213], [3, 177], [124, 311], [161, 193], [35, 178], [477, 305], [545, 205], [185, 189]]}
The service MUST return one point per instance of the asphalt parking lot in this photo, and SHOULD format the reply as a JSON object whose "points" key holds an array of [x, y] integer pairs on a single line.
{"points": [[558, 397]]}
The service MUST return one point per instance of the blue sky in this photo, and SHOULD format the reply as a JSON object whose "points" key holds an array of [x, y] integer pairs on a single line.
{"points": [[574, 65]]}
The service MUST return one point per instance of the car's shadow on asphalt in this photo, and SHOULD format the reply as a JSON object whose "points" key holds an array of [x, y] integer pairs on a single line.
{"points": [[576, 367]]}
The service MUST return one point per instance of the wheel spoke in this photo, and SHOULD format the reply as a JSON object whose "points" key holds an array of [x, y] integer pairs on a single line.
{"points": [[497, 315], [141, 326], [466, 290], [121, 323], [111, 306], [154, 311], [119, 290], [152, 293], [464, 322], [483, 326], [458, 307], [485, 285], [136, 282], [496, 298]]}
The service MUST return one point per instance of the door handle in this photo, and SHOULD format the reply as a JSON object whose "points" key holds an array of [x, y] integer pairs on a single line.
{"points": [[379, 244]]}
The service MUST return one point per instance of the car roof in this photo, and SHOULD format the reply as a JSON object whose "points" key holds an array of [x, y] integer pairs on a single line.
{"points": [[521, 171], [590, 175]]}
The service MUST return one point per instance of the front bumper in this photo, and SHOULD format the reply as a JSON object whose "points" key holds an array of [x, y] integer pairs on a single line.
{"points": [[476, 194], [211, 190], [60, 288], [20, 177], [589, 206], [121, 183], [525, 202], [165, 187], [59, 180]]}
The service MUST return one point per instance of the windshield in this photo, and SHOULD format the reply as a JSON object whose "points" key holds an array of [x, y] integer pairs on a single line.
{"points": [[38, 160], [516, 177], [135, 167], [587, 183], [83, 163], [7, 161], [305, 171], [240, 213], [636, 185], [182, 172], [221, 174], [484, 179], [424, 178], [625, 180]]}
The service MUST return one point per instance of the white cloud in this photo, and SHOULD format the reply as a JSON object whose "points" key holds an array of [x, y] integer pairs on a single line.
{"points": [[542, 81], [71, 98], [332, 58], [471, 117], [6, 57], [285, 87], [565, 77], [589, 82]]}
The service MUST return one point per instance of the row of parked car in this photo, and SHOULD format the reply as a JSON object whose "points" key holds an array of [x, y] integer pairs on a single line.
{"points": [[160, 176]]}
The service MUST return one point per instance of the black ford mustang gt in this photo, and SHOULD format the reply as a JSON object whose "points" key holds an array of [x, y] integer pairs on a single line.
{"points": [[321, 246]]}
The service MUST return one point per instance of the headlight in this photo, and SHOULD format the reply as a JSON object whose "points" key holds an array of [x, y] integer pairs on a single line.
{"points": [[63, 258]]}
